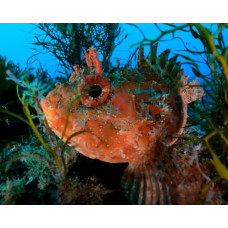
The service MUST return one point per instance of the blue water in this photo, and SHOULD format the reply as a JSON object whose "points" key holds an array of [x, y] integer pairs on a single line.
{"points": [[16, 44]]}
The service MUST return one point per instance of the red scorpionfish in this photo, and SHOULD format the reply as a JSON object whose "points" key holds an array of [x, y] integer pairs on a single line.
{"points": [[132, 116]]}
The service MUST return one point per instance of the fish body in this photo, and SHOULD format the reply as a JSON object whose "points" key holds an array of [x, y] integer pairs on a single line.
{"points": [[134, 116]]}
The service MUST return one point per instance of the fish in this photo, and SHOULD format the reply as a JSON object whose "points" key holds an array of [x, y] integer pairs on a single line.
{"points": [[132, 116]]}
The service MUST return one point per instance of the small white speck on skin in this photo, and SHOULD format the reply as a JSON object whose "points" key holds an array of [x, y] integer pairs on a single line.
{"points": [[74, 128], [57, 117], [123, 155], [50, 108], [121, 131]]}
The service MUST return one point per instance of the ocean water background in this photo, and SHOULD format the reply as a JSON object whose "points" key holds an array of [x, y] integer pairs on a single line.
{"points": [[16, 47], [16, 44]]}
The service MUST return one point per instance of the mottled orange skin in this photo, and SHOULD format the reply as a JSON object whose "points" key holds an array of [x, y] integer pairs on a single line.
{"points": [[131, 121], [111, 138]]}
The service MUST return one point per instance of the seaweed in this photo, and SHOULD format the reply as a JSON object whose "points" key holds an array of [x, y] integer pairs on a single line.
{"points": [[68, 41]]}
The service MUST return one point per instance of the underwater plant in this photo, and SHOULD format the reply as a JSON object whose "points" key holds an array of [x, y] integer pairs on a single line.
{"points": [[9, 100], [11, 190], [7, 88], [68, 41]]}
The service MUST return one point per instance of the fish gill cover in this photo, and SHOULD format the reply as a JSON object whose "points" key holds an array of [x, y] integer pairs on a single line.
{"points": [[169, 134]]}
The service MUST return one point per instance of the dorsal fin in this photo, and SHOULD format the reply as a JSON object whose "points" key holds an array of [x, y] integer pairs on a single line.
{"points": [[153, 53], [163, 57], [141, 58]]}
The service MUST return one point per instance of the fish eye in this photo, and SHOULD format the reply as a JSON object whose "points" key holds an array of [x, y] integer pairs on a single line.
{"points": [[95, 91]]}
